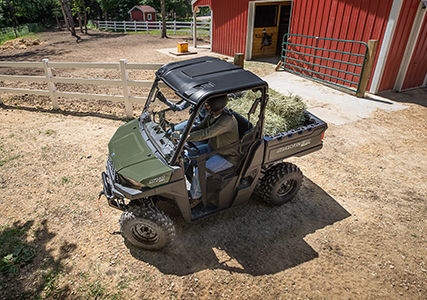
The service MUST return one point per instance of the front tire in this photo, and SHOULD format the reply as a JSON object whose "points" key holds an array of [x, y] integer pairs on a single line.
{"points": [[146, 227], [280, 184]]}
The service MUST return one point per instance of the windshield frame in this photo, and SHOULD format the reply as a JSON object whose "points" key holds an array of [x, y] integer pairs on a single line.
{"points": [[177, 148]]}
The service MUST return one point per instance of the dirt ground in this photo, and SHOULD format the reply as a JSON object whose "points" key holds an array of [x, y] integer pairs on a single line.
{"points": [[356, 229]]}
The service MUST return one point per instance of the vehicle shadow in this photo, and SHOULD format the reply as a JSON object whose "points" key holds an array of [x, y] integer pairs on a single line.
{"points": [[28, 268], [255, 239]]}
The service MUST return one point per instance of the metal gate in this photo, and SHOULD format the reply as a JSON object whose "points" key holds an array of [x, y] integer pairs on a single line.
{"points": [[333, 61]]}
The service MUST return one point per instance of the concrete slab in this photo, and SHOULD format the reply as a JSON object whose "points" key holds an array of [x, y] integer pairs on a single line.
{"points": [[329, 104], [201, 50]]}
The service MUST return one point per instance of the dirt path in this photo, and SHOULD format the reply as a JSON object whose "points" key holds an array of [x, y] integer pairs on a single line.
{"points": [[356, 229]]}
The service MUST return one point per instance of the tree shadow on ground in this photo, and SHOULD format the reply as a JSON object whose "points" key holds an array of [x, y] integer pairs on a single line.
{"points": [[255, 239], [63, 112], [28, 269], [35, 54]]}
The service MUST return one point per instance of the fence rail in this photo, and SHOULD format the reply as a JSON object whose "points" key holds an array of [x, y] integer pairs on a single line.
{"points": [[51, 80], [175, 26]]}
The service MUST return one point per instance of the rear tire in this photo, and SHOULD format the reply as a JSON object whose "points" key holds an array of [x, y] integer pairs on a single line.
{"points": [[146, 227], [280, 184]]}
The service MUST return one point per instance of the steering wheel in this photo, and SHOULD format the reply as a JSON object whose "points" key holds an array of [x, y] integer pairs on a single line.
{"points": [[162, 119], [191, 147]]}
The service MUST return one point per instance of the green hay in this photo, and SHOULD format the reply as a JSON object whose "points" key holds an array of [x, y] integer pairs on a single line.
{"points": [[283, 113]]}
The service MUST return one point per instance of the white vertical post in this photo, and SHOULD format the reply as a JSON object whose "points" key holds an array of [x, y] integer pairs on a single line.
{"points": [[125, 25], [194, 25], [126, 95], [410, 47], [106, 25], [115, 26], [146, 25], [134, 24], [51, 85], [174, 26], [385, 45], [210, 30]]}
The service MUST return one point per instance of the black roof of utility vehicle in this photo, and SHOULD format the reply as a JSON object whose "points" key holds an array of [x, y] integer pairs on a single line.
{"points": [[199, 78]]}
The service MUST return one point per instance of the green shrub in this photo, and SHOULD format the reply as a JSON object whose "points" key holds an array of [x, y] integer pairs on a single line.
{"points": [[282, 114], [15, 252]]}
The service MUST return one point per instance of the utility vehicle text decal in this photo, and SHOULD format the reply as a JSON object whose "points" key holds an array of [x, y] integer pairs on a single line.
{"points": [[157, 180], [295, 145]]}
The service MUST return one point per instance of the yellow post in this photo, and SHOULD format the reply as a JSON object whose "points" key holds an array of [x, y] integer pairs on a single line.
{"points": [[366, 72]]}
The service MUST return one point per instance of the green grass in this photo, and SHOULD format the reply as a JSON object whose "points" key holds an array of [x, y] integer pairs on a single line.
{"points": [[3, 162], [50, 282], [29, 30], [15, 251], [50, 132]]}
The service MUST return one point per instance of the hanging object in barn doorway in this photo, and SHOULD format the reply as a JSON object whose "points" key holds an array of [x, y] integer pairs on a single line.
{"points": [[266, 39]]}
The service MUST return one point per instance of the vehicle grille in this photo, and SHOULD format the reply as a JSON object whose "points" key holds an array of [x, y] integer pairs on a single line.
{"points": [[110, 170]]}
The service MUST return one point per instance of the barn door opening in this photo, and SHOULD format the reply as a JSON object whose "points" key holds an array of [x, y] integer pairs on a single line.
{"points": [[268, 21], [284, 20]]}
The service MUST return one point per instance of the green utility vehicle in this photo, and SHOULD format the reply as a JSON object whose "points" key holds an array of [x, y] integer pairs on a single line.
{"points": [[149, 162]]}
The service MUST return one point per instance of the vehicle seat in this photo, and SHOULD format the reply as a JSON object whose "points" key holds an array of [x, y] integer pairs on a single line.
{"points": [[243, 124]]}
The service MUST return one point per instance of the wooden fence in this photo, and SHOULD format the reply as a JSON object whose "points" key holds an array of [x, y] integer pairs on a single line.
{"points": [[122, 67], [171, 26]]}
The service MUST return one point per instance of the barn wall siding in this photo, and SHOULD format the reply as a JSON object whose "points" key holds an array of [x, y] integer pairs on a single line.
{"points": [[136, 15], [418, 65], [399, 43], [359, 20], [230, 26]]}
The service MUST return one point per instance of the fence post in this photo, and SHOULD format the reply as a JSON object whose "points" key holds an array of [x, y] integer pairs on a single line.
{"points": [[51, 85], [146, 25], [106, 25], [125, 25], [194, 29], [126, 95], [134, 25], [174, 27], [114, 26], [366, 72]]}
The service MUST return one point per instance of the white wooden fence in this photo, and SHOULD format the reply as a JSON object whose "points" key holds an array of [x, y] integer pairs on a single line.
{"points": [[54, 94], [175, 26]]}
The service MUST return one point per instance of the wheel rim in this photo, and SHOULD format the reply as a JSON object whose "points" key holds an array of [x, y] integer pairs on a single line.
{"points": [[145, 233], [286, 188]]}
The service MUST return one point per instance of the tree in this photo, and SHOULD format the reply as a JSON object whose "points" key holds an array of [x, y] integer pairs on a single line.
{"points": [[182, 8], [164, 36], [68, 17], [80, 10]]}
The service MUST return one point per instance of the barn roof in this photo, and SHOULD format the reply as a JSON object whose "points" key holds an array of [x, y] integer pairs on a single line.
{"points": [[143, 8], [200, 78]]}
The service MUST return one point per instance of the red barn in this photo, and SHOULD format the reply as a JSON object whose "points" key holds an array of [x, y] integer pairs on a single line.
{"points": [[142, 13], [400, 26]]}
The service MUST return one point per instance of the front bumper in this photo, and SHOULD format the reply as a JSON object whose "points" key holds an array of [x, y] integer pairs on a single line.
{"points": [[116, 192]]}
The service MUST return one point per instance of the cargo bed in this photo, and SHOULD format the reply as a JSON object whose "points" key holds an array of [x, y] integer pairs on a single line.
{"points": [[295, 142]]}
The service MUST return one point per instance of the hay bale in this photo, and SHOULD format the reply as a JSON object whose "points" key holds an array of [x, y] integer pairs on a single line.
{"points": [[282, 114], [20, 43]]}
